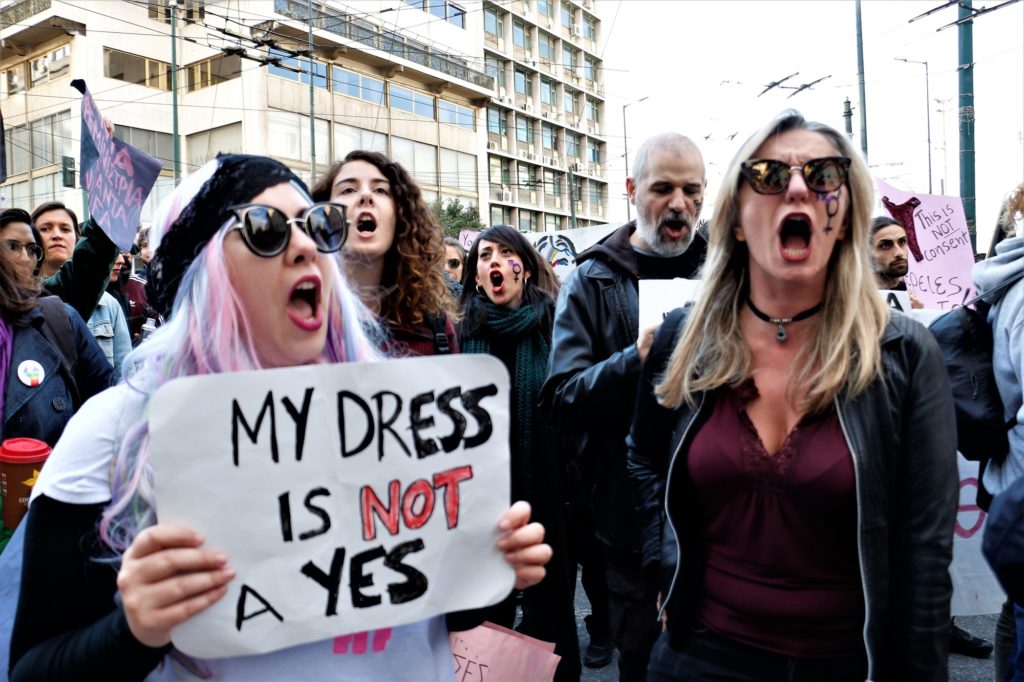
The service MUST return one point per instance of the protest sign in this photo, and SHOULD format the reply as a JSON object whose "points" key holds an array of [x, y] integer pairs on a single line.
{"points": [[560, 247], [491, 653], [659, 297], [975, 588], [348, 497], [117, 176], [941, 256], [467, 237], [897, 300]]}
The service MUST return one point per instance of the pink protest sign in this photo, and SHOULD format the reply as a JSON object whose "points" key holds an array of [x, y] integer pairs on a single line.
{"points": [[941, 256], [496, 654]]}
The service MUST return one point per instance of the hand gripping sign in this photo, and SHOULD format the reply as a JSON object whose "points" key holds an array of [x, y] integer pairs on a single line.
{"points": [[348, 497]]}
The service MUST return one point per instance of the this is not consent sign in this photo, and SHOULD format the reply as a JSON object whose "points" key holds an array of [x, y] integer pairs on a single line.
{"points": [[347, 497]]}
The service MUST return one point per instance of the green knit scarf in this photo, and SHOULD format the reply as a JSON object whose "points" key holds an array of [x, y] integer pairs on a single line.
{"points": [[531, 364]]}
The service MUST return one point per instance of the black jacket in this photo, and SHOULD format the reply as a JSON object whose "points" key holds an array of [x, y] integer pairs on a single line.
{"points": [[901, 433], [591, 384]]}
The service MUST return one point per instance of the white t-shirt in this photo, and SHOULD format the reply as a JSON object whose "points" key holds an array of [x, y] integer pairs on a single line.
{"points": [[78, 472]]}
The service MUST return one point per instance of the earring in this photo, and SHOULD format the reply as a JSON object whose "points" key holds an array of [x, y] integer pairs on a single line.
{"points": [[480, 290]]}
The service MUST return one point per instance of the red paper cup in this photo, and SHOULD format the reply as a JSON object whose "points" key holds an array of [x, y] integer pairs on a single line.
{"points": [[20, 462]]}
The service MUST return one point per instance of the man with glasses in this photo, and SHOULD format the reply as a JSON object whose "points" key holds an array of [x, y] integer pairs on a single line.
{"points": [[596, 359]]}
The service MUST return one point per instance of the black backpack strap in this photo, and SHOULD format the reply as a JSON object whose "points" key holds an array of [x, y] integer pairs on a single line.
{"points": [[57, 330], [999, 287], [436, 324]]}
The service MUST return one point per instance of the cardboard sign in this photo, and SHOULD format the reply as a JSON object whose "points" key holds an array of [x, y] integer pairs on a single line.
{"points": [[659, 297], [941, 256], [975, 588], [117, 176], [491, 653], [348, 497]]}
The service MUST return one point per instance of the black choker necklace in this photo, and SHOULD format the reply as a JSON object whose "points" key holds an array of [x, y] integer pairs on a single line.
{"points": [[780, 333]]}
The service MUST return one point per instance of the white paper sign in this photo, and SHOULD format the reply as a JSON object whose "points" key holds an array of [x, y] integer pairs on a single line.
{"points": [[897, 300], [658, 297], [348, 497]]}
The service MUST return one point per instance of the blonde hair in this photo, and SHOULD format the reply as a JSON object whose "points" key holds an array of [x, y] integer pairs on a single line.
{"points": [[844, 352]]}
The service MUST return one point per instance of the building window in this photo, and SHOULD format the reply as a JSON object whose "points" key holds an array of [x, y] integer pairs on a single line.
{"points": [[546, 45], [497, 121], [590, 28], [569, 59], [456, 115], [595, 151], [589, 69], [213, 71], [133, 68], [450, 12], [357, 85], [14, 80], [566, 15], [524, 129], [549, 137], [524, 83], [404, 99], [527, 221], [349, 138], [416, 157], [544, 8], [520, 34], [284, 65], [493, 22], [569, 100], [592, 112], [552, 222], [288, 135], [501, 215], [49, 66], [155, 143], [499, 170], [548, 92], [458, 170], [495, 68], [189, 10], [596, 195], [572, 145]]}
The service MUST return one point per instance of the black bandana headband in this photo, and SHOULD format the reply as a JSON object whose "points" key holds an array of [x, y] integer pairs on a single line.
{"points": [[238, 178]]}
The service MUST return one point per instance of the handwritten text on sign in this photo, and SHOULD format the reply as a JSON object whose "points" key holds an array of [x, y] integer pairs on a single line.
{"points": [[117, 176], [347, 497]]}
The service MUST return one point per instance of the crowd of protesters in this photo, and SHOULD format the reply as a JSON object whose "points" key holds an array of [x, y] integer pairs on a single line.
{"points": [[762, 487]]}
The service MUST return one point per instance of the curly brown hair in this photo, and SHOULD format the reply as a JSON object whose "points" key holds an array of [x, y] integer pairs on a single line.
{"points": [[412, 286]]}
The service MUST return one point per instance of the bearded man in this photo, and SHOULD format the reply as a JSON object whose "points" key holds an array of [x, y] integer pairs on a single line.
{"points": [[596, 358]]}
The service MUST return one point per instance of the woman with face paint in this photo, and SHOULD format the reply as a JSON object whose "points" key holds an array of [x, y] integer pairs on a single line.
{"points": [[394, 253], [794, 441], [246, 274], [507, 311]]}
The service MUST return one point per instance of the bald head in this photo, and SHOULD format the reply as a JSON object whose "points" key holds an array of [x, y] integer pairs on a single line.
{"points": [[677, 144]]}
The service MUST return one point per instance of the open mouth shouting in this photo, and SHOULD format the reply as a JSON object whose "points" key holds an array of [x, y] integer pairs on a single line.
{"points": [[795, 237], [497, 281], [675, 228], [304, 301], [366, 225]]}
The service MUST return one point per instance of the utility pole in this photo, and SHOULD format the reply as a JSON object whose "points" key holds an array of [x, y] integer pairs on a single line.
{"points": [[927, 113], [848, 118], [965, 40], [572, 198], [175, 142], [860, 80], [625, 145], [312, 119]]}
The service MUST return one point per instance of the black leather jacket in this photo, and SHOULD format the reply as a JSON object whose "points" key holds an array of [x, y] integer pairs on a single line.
{"points": [[902, 435], [592, 380]]}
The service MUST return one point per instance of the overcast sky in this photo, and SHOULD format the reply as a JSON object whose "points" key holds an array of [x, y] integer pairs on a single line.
{"points": [[702, 63]]}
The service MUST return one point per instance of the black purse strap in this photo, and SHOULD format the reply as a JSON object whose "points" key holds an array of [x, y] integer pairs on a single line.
{"points": [[999, 287]]}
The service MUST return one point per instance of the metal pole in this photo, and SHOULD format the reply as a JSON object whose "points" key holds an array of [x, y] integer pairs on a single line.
{"points": [[966, 54], [928, 113], [312, 119], [848, 118], [175, 142], [860, 79], [625, 152]]}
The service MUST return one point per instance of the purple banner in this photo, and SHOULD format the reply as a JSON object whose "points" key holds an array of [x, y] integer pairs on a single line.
{"points": [[941, 257], [117, 176]]}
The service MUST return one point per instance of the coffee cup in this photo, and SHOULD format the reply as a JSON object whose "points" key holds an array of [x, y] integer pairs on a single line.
{"points": [[20, 462]]}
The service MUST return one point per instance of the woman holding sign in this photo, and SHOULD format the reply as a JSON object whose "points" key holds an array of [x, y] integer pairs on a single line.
{"points": [[508, 307], [245, 272], [394, 252], [798, 438]]}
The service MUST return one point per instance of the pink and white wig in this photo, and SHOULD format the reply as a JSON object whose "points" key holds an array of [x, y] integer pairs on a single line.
{"points": [[208, 332]]}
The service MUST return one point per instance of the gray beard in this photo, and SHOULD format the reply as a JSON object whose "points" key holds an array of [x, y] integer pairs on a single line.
{"points": [[652, 237]]}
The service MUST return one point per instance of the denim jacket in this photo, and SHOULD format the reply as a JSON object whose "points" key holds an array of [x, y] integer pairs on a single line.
{"points": [[108, 325]]}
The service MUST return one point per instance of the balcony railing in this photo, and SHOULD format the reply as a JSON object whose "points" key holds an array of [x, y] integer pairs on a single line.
{"points": [[385, 40], [19, 12]]}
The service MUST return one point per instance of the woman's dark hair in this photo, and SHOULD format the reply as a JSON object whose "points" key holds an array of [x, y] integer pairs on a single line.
{"points": [[15, 298], [56, 206], [20, 215], [412, 285], [540, 289]]}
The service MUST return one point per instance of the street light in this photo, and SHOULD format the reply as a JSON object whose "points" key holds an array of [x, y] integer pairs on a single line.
{"points": [[928, 113], [625, 145]]}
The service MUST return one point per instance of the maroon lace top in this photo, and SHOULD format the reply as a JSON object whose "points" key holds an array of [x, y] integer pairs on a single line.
{"points": [[780, 529]]}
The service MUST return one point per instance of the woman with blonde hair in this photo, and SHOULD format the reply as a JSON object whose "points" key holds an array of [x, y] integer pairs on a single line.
{"points": [[799, 441]]}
